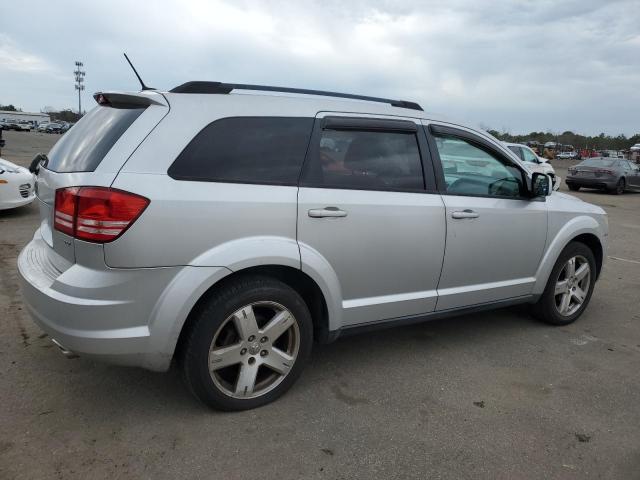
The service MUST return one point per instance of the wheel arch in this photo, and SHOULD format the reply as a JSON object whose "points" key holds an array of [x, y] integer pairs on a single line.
{"points": [[594, 244], [295, 278], [583, 229]]}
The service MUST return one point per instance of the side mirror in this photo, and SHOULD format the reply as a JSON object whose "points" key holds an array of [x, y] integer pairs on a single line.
{"points": [[540, 185], [38, 160]]}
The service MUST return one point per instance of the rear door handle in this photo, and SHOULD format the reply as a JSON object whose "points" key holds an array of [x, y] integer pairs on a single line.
{"points": [[467, 213], [331, 212]]}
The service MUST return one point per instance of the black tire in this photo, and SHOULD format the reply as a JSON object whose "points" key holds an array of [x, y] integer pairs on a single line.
{"points": [[545, 308], [209, 317], [572, 187], [620, 187]]}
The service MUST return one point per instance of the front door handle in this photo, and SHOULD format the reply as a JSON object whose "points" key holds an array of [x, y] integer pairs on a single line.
{"points": [[331, 212], [467, 213]]}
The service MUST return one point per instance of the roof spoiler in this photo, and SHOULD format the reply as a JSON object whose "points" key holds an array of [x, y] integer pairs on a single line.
{"points": [[124, 100]]}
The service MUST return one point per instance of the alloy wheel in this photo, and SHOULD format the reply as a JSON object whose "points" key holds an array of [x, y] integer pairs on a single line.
{"points": [[254, 349], [572, 285]]}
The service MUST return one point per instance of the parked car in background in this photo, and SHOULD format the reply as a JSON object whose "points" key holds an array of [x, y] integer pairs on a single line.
{"points": [[567, 155], [533, 162], [25, 126], [12, 125], [16, 185], [53, 128], [65, 127], [605, 173], [42, 127], [310, 215]]}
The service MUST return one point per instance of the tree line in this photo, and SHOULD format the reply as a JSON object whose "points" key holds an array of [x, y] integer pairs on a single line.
{"points": [[598, 142], [9, 108]]}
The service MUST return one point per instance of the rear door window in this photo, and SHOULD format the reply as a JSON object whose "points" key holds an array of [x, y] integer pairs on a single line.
{"points": [[367, 160], [262, 150], [84, 146]]}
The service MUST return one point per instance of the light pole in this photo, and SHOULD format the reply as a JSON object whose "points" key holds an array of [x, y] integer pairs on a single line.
{"points": [[79, 85]]}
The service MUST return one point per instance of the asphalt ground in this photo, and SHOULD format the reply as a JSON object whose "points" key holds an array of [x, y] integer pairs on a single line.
{"points": [[494, 395]]}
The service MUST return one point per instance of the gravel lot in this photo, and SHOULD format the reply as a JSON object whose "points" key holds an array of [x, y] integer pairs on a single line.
{"points": [[492, 395]]}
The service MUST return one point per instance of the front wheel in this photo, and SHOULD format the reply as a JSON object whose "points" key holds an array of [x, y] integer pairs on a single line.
{"points": [[569, 287], [620, 187], [572, 187], [247, 344]]}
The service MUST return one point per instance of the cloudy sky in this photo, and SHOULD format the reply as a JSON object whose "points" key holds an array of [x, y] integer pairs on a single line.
{"points": [[514, 65]]}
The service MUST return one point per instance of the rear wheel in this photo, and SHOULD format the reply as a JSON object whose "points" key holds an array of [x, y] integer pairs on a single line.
{"points": [[572, 187], [247, 345], [569, 287], [620, 187]]}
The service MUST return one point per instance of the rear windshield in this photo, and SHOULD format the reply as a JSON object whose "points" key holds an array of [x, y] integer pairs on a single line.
{"points": [[84, 146], [598, 162]]}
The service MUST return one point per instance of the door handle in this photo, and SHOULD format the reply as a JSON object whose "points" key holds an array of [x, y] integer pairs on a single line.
{"points": [[331, 212], [467, 213]]}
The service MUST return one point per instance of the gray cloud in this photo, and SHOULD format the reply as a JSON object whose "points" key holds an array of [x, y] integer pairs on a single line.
{"points": [[523, 65]]}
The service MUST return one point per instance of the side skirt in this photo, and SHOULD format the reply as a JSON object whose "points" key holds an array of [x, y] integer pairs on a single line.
{"points": [[412, 319]]}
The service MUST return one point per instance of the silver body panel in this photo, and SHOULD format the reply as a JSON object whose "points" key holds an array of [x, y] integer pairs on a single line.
{"points": [[386, 253], [392, 255]]}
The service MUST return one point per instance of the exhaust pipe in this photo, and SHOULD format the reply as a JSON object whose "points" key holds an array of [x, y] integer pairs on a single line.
{"points": [[67, 353]]}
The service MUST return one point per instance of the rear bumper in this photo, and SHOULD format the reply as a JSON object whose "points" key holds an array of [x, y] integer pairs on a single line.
{"points": [[608, 183], [109, 314]]}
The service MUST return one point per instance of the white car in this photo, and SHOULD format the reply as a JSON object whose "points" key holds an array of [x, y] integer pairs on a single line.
{"points": [[16, 185], [533, 162], [567, 155]]}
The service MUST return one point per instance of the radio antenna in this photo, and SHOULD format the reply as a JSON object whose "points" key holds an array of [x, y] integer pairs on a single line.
{"points": [[144, 87]]}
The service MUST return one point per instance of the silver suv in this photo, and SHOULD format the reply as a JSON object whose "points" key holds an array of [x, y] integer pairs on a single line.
{"points": [[228, 227]]}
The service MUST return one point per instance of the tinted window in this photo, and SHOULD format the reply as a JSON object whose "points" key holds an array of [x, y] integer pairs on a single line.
{"points": [[367, 160], [470, 170], [246, 149], [84, 146]]}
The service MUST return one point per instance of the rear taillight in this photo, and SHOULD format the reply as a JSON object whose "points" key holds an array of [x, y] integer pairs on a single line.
{"points": [[96, 214]]}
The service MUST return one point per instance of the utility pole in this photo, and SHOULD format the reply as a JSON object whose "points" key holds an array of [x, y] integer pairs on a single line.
{"points": [[79, 85]]}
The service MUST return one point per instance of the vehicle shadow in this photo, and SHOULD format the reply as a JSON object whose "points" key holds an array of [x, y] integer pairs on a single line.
{"points": [[20, 212], [148, 394]]}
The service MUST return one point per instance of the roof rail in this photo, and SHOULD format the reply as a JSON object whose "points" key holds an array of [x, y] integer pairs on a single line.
{"points": [[219, 87]]}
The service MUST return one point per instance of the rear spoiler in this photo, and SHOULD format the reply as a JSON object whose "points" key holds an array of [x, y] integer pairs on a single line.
{"points": [[124, 100]]}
